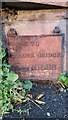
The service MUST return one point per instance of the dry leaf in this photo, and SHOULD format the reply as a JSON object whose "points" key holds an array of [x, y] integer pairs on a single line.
{"points": [[39, 96], [29, 95], [39, 102], [19, 88], [62, 85]]}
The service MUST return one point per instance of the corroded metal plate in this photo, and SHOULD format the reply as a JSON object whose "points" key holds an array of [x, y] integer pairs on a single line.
{"points": [[36, 57]]}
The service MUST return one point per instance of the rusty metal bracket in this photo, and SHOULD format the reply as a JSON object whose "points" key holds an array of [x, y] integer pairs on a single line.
{"points": [[12, 32]]}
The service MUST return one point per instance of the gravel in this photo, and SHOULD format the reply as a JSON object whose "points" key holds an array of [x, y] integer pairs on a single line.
{"points": [[56, 104]]}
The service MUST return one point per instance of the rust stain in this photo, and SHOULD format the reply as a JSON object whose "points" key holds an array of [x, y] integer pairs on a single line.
{"points": [[36, 57]]}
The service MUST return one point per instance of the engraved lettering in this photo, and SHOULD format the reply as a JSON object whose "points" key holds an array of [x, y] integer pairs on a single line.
{"points": [[26, 44], [28, 55], [35, 57], [48, 55], [44, 67]]}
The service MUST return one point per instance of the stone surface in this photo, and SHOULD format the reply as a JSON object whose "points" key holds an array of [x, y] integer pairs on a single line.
{"points": [[52, 2], [36, 57], [38, 22]]}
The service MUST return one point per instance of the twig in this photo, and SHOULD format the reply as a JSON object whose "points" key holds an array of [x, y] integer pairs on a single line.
{"points": [[35, 103], [61, 84]]}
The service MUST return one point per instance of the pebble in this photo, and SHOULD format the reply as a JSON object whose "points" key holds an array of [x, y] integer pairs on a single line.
{"points": [[48, 114], [54, 100], [61, 89], [64, 91]]}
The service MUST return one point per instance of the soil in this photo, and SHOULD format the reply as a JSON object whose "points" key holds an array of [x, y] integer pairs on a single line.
{"points": [[56, 106]]}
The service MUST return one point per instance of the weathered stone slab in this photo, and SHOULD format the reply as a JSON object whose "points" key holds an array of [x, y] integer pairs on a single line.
{"points": [[36, 57], [52, 2]]}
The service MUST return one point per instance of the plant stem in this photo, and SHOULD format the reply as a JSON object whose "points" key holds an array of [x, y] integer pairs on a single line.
{"points": [[35, 103]]}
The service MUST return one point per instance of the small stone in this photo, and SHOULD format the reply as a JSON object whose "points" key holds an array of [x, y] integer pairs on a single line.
{"points": [[61, 89], [48, 114], [64, 91], [67, 89], [54, 100], [62, 97]]}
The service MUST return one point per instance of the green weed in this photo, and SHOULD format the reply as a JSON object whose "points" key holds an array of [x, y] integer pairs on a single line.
{"points": [[12, 90]]}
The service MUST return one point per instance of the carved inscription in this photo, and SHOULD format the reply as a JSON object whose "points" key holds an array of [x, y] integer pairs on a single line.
{"points": [[36, 57]]}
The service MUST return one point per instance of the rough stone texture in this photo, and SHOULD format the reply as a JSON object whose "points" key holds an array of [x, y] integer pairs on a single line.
{"points": [[41, 61], [52, 2], [37, 22]]}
